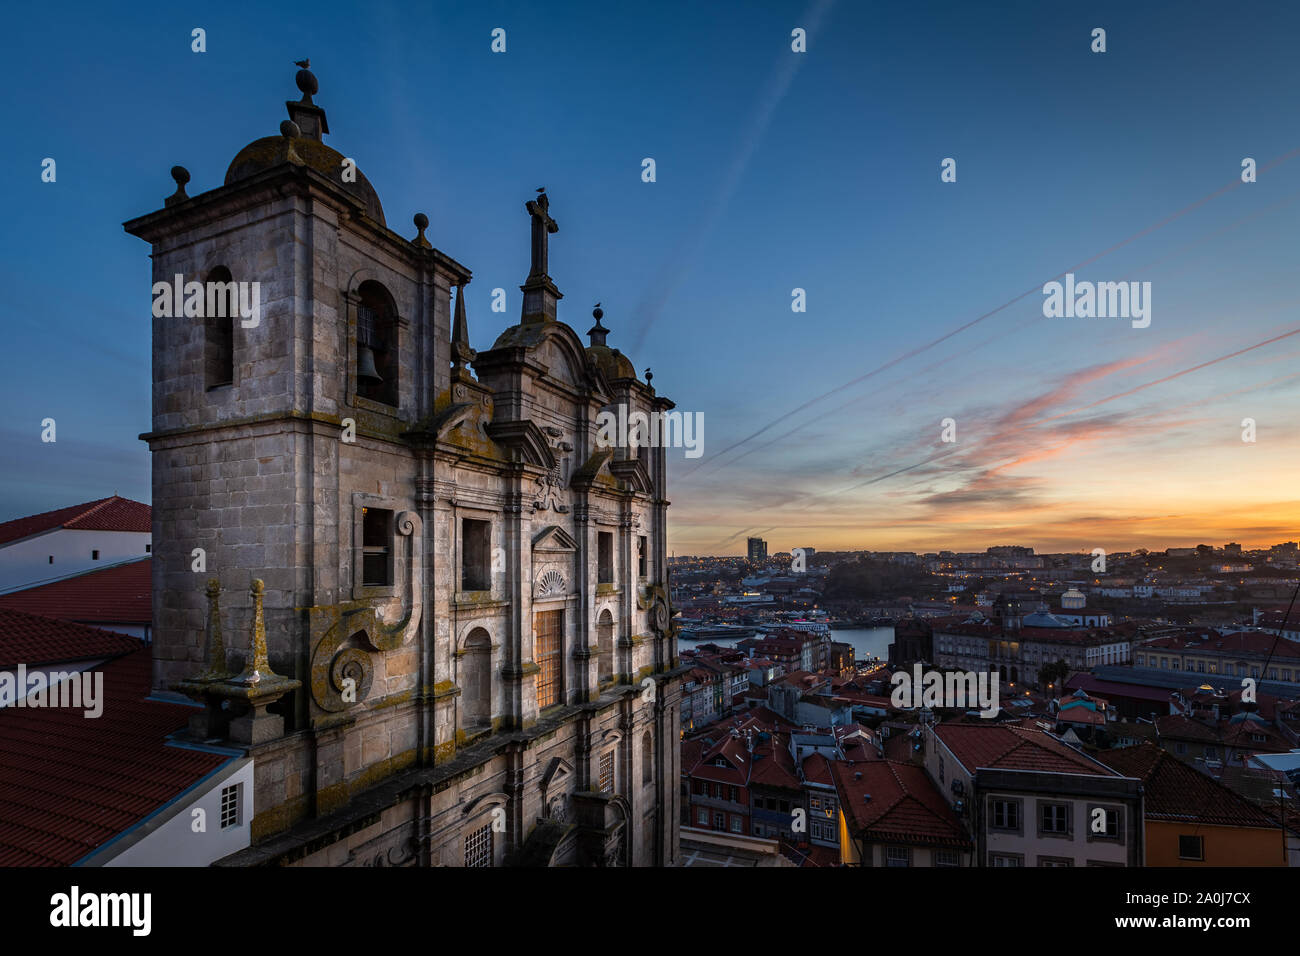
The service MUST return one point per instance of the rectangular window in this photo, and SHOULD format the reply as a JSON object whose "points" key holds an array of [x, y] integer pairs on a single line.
{"points": [[719, 821], [376, 552], [702, 818], [475, 555], [1055, 861], [605, 557], [946, 858], [478, 847], [735, 795], [549, 629], [1054, 818], [607, 772], [898, 856], [1109, 819], [1180, 748], [147, 549], [1006, 815], [736, 820], [1191, 848], [94, 555], [642, 559], [230, 805], [51, 559], [1006, 859]]}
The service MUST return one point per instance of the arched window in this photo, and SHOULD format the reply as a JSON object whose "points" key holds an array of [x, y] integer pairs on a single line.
{"points": [[376, 358], [605, 646], [476, 679], [647, 758], [220, 310]]}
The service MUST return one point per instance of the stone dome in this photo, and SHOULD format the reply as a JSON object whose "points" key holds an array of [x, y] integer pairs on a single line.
{"points": [[612, 363], [271, 151]]}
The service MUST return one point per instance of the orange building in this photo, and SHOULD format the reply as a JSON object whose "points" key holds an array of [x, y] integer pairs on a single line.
{"points": [[1190, 819]]}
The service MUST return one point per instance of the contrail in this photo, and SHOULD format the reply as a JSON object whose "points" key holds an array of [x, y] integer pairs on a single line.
{"points": [[687, 253], [1010, 302]]}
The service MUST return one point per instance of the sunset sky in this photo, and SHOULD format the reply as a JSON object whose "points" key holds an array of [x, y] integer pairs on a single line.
{"points": [[775, 171]]}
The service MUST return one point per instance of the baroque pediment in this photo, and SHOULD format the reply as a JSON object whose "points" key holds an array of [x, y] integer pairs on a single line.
{"points": [[554, 539]]}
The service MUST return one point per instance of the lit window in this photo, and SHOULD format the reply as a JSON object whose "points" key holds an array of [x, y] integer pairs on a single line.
{"points": [[549, 627]]}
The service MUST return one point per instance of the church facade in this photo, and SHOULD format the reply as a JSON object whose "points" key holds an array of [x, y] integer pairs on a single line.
{"points": [[403, 576]]}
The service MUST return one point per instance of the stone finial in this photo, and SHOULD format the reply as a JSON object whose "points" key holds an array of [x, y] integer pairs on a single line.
{"points": [[597, 331], [289, 129], [421, 223], [257, 668], [306, 81], [216, 648], [309, 117], [461, 353], [648, 376], [181, 176]]}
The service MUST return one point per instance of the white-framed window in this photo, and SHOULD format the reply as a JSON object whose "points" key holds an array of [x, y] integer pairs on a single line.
{"points": [[478, 847], [230, 805], [1006, 859], [1054, 818], [898, 856], [736, 820], [946, 858], [702, 817], [1005, 815]]}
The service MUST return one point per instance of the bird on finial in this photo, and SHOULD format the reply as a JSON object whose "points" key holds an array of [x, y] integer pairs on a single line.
{"points": [[541, 189], [305, 64], [648, 376]]}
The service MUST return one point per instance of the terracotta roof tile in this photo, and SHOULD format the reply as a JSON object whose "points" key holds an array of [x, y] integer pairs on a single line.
{"points": [[31, 639], [121, 594], [1176, 791], [904, 807], [1006, 747], [68, 784], [103, 514]]}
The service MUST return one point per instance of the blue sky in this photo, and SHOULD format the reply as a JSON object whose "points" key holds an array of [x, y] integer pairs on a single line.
{"points": [[775, 170]]}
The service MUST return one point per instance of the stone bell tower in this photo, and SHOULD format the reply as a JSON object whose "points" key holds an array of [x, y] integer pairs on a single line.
{"points": [[275, 442], [387, 566]]}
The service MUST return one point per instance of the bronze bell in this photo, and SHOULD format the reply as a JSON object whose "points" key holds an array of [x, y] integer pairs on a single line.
{"points": [[367, 374]]}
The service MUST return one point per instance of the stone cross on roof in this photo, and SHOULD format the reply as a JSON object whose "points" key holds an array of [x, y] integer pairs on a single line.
{"points": [[542, 225]]}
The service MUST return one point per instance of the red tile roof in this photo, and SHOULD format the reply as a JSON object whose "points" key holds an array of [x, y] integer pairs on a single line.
{"points": [[31, 639], [1176, 791], [121, 594], [68, 784], [1006, 747], [104, 514], [904, 807]]}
